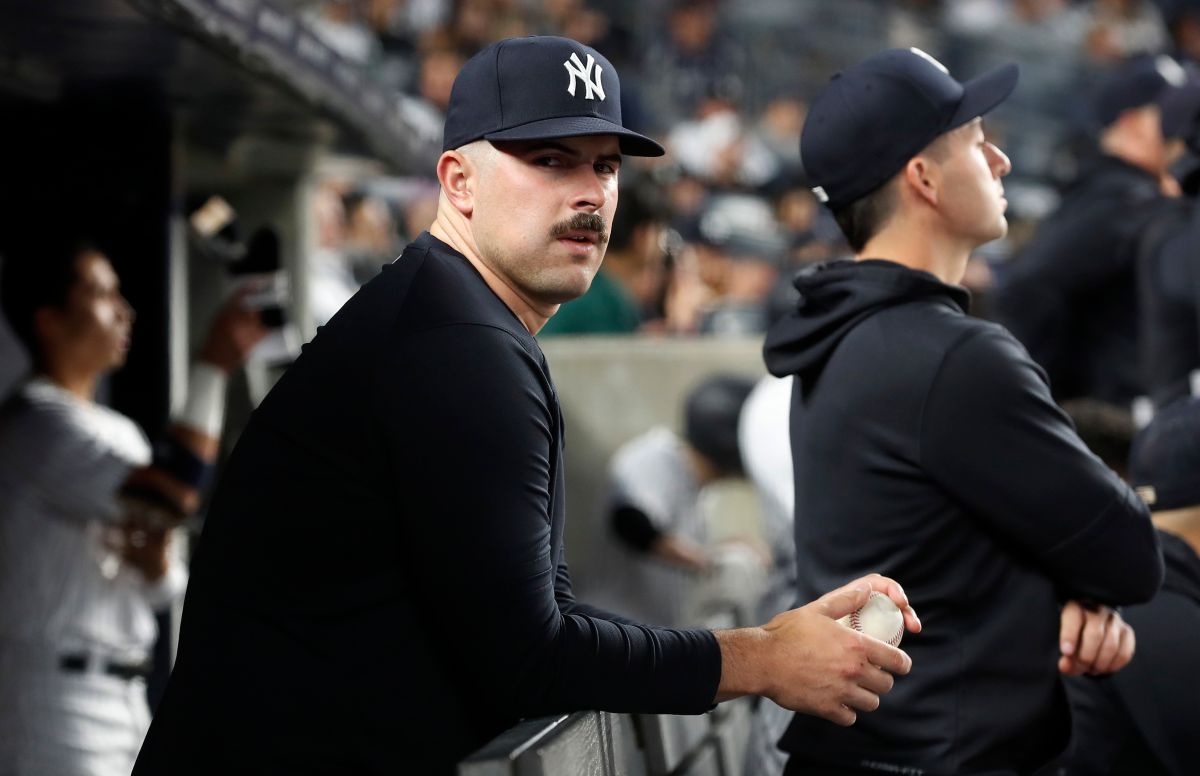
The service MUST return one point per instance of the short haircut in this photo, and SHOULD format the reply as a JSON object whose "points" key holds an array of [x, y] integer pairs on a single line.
{"points": [[39, 269], [863, 218]]}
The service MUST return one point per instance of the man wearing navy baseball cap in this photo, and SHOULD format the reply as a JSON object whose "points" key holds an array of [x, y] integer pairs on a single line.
{"points": [[381, 584], [1070, 295], [926, 443]]}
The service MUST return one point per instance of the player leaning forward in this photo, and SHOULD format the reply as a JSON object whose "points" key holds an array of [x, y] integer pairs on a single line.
{"points": [[927, 445], [381, 584]]}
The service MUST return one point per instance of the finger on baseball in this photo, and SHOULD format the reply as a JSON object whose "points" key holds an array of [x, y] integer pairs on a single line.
{"points": [[886, 656], [912, 623], [876, 680], [843, 601], [1071, 624], [888, 586]]}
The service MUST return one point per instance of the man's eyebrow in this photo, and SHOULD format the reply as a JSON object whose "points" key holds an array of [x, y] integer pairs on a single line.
{"points": [[553, 145]]}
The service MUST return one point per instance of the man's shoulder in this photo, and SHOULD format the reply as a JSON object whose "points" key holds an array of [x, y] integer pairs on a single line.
{"points": [[929, 327]]}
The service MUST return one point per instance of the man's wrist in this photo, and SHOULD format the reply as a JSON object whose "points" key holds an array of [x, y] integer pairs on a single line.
{"points": [[742, 658]]}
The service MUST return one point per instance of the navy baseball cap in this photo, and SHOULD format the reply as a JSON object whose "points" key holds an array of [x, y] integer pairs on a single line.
{"points": [[1134, 83], [538, 88], [870, 119], [1164, 464]]}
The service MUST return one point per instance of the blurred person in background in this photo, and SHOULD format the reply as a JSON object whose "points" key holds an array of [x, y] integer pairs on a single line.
{"points": [[1119, 29], [87, 509], [695, 59], [1139, 722], [625, 292], [1070, 294], [382, 582], [739, 248], [332, 280], [1168, 264], [926, 441], [657, 532]]}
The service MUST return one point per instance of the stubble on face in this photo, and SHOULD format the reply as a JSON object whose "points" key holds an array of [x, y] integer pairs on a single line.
{"points": [[542, 268]]}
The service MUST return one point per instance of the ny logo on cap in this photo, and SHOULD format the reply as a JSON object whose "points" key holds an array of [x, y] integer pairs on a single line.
{"points": [[589, 76], [928, 58]]}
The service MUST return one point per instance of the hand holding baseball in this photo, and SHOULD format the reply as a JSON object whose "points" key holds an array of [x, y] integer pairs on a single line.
{"points": [[817, 666], [878, 618]]}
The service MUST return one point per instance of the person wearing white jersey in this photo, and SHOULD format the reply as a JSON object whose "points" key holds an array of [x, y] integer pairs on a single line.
{"points": [[86, 512]]}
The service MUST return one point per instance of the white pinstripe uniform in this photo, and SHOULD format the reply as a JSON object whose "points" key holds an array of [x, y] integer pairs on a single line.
{"points": [[63, 592]]}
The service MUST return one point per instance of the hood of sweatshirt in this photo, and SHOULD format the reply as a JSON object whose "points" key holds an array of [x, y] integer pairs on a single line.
{"points": [[837, 296]]}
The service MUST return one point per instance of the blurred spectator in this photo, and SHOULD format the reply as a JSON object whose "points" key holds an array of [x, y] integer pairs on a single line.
{"points": [[625, 292], [1120, 29], [1167, 274], [1137, 722], [718, 148], [738, 246], [87, 509], [1183, 22], [341, 27], [657, 536], [371, 238], [332, 279], [695, 60], [1070, 295]]}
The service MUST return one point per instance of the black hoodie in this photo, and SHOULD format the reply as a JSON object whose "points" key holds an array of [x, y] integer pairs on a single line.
{"points": [[927, 447]]}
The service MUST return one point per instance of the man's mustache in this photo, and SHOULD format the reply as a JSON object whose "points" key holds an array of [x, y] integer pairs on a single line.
{"points": [[590, 222]]}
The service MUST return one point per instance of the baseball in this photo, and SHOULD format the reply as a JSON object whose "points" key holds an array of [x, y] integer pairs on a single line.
{"points": [[878, 618]]}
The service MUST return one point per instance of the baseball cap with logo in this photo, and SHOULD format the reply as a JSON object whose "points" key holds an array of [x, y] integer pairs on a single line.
{"points": [[1137, 82], [538, 88], [870, 119], [1164, 464]]}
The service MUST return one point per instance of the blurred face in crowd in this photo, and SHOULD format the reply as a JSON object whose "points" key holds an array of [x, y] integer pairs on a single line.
{"points": [[971, 196], [91, 330], [542, 210], [1146, 125]]}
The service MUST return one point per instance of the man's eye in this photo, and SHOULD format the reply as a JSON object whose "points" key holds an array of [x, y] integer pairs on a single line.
{"points": [[607, 168], [548, 161]]}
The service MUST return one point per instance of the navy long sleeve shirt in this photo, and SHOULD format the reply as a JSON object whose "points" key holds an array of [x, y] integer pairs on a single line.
{"points": [[381, 584]]}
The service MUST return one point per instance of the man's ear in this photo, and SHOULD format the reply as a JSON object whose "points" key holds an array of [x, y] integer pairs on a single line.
{"points": [[922, 178], [456, 174]]}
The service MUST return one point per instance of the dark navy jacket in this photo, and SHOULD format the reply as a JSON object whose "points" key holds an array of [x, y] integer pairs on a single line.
{"points": [[380, 587], [926, 447], [1070, 295]]}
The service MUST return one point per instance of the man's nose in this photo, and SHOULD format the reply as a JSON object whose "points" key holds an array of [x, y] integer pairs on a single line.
{"points": [[591, 193], [1000, 162]]}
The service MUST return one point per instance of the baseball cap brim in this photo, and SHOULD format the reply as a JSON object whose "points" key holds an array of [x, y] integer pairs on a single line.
{"points": [[984, 93], [632, 144]]}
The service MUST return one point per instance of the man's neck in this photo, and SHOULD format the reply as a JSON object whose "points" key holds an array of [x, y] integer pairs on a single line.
{"points": [[80, 385], [921, 249], [456, 232]]}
